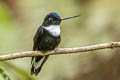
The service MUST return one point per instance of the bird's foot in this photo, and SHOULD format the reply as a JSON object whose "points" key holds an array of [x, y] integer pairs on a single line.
{"points": [[55, 50]]}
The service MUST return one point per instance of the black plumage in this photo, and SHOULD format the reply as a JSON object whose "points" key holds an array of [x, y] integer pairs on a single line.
{"points": [[46, 38], [44, 41]]}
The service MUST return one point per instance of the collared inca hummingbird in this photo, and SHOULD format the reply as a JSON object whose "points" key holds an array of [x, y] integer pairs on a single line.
{"points": [[46, 38]]}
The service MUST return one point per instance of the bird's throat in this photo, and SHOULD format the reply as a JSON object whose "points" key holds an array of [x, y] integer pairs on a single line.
{"points": [[53, 29]]}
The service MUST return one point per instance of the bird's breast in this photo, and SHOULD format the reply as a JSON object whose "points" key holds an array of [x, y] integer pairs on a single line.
{"points": [[54, 30], [49, 42]]}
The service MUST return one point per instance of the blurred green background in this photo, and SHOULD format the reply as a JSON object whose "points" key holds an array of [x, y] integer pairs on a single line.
{"points": [[99, 23]]}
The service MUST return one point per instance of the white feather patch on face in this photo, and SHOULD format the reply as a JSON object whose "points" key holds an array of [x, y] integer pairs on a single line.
{"points": [[53, 29]]}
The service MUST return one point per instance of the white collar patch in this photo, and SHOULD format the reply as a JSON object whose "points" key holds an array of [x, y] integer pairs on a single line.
{"points": [[53, 29]]}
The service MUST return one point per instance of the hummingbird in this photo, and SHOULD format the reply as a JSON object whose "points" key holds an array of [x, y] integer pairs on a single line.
{"points": [[46, 38]]}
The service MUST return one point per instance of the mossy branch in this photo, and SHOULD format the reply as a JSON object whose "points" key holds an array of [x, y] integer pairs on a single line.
{"points": [[60, 51]]}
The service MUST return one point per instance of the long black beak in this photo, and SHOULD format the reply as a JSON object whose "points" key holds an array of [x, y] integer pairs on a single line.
{"points": [[70, 17]]}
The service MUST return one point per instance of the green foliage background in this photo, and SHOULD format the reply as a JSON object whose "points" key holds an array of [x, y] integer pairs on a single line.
{"points": [[99, 23], [4, 75]]}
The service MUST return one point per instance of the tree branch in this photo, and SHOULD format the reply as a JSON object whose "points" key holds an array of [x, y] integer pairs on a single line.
{"points": [[60, 51]]}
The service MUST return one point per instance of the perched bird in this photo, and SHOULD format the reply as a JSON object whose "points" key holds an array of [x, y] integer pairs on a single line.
{"points": [[46, 38]]}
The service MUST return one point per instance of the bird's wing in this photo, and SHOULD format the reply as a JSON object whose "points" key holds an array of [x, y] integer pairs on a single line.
{"points": [[37, 38]]}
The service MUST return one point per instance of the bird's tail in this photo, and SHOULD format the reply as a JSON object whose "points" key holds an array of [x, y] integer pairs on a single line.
{"points": [[37, 63]]}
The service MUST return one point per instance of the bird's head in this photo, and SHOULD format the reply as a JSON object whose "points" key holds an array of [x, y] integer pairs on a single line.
{"points": [[54, 19]]}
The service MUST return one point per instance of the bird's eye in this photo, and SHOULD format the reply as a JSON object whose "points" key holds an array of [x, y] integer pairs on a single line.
{"points": [[50, 19]]}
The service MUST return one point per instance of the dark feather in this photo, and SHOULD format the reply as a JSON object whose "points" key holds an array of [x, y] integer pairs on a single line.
{"points": [[39, 69], [44, 41], [40, 44], [36, 40]]}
